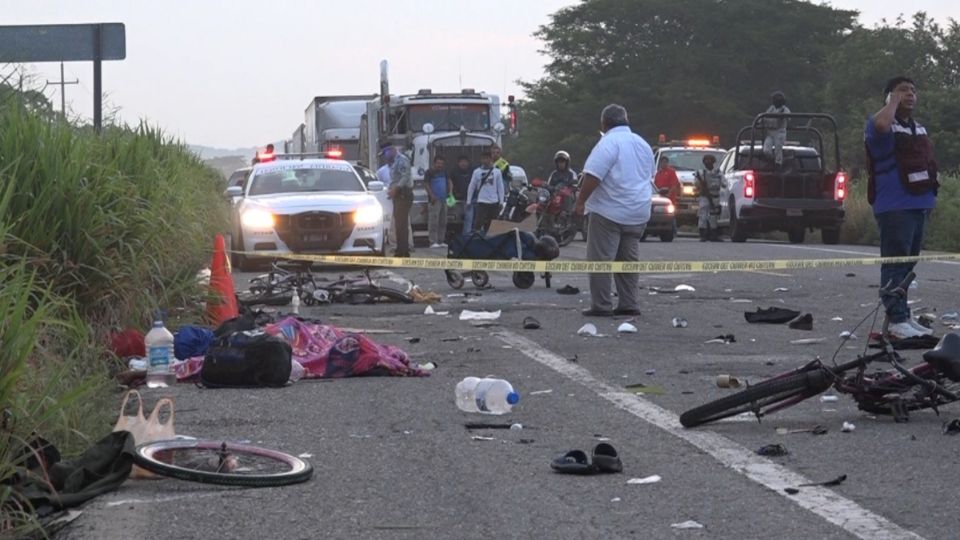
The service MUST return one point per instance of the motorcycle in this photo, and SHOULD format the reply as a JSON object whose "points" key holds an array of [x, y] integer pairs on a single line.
{"points": [[555, 212], [515, 207]]}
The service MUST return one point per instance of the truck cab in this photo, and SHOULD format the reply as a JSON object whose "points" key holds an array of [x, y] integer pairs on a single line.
{"points": [[806, 192], [686, 157]]}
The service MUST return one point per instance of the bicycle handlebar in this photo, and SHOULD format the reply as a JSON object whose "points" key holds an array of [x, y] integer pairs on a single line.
{"points": [[900, 291]]}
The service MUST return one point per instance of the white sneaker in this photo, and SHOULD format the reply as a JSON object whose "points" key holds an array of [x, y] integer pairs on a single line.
{"points": [[434, 246], [444, 245], [903, 330], [920, 328]]}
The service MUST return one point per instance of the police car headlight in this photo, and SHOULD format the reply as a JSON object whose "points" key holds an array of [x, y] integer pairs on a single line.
{"points": [[368, 214], [688, 190], [257, 218], [671, 208]]}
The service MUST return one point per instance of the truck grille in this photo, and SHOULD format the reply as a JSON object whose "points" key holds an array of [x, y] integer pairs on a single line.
{"points": [[315, 231], [452, 152]]}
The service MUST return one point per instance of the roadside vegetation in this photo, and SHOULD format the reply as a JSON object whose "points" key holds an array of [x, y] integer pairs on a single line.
{"points": [[96, 233]]}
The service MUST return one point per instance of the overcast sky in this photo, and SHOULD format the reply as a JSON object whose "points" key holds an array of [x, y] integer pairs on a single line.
{"points": [[234, 73]]}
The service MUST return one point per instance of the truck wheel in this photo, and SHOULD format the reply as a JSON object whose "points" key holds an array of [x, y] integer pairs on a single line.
{"points": [[796, 234], [737, 234], [830, 236], [669, 236]]}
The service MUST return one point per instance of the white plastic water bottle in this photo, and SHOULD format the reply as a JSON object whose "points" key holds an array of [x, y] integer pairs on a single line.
{"points": [[295, 304], [159, 345], [487, 396]]}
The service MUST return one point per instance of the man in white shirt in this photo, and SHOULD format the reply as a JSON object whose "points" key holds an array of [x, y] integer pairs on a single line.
{"points": [[616, 193], [486, 191]]}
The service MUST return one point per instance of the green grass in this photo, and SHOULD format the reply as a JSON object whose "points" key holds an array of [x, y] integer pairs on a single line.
{"points": [[95, 233], [860, 227]]}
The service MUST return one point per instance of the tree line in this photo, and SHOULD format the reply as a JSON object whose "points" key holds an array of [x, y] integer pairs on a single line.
{"points": [[705, 67]]}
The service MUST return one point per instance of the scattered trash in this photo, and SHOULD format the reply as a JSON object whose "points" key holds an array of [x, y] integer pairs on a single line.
{"points": [[808, 341], [467, 315], [574, 359], [429, 311], [588, 329], [835, 482], [568, 289], [686, 288], [482, 438], [816, 430], [773, 450], [516, 427], [651, 372], [640, 388], [837, 319], [829, 398], [952, 427], [627, 328], [473, 349], [541, 392], [791, 491], [847, 335], [679, 323], [915, 284], [529, 323], [451, 339], [305, 455], [728, 381], [950, 316], [851, 274], [429, 366], [848, 427], [769, 363], [648, 480], [684, 372], [413, 340], [802, 323], [486, 425], [741, 301], [457, 295], [781, 289], [615, 499], [689, 524], [729, 338], [525, 441], [773, 315]]}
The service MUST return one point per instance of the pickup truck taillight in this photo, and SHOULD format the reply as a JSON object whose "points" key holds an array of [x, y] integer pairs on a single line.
{"points": [[840, 189], [749, 184]]}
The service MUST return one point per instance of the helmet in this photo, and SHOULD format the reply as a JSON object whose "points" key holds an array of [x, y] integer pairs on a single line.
{"points": [[709, 157], [546, 248], [562, 154], [778, 98]]}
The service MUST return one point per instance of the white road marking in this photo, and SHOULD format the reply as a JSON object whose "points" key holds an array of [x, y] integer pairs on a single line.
{"points": [[168, 499], [823, 502], [851, 252], [769, 273]]}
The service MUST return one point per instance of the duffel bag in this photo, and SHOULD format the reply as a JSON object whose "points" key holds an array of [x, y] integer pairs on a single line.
{"points": [[247, 359]]}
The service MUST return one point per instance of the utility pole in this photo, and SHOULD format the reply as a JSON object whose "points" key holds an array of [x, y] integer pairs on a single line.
{"points": [[63, 91]]}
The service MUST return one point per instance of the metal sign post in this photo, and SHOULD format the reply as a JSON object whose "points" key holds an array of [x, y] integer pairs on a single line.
{"points": [[67, 43]]}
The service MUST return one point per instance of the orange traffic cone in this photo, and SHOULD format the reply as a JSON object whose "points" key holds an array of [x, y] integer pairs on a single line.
{"points": [[223, 304]]}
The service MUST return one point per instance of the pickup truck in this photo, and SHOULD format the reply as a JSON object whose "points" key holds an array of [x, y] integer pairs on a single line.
{"points": [[806, 192]]}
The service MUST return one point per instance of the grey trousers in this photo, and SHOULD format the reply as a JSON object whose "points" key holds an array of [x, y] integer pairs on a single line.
{"points": [[705, 218], [610, 241], [773, 145], [437, 224]]}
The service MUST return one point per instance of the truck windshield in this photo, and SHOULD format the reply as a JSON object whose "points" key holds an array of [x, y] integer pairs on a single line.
{"points": [[312, 180], [690, 160], [449, 117]]}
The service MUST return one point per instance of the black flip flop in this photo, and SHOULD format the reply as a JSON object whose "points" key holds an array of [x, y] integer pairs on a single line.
{"points": [[530, 323], [573, 462], [606, 459], [568, 289]]}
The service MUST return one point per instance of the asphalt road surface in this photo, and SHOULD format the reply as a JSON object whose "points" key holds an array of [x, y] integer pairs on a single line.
{"points": [[394, 460]]}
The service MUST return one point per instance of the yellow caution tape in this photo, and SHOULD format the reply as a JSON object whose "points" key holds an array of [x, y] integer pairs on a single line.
{"points": [[581, 267]]}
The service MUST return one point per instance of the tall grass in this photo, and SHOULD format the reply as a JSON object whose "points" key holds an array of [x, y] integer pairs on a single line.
{"points": [[95, 233], [860, 227]]}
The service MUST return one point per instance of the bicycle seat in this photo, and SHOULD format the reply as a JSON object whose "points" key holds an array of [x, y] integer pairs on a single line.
{"points": [[946, 356]]}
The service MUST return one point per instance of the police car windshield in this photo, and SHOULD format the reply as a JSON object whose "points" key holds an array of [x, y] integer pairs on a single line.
{"points": [[303, 180], [690, 160]]}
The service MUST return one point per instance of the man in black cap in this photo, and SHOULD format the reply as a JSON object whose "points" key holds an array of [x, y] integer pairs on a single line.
{"points": [[902, 188]]}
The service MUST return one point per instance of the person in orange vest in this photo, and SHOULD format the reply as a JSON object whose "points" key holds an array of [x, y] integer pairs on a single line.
{"points": [[667, 178]]}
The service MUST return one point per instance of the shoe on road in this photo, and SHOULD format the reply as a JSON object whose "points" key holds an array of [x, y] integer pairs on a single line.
{"points": [[606, 459], [435, 246], [903, 330], [920, 328], [574, 462], [627, 312], [596, 313]]}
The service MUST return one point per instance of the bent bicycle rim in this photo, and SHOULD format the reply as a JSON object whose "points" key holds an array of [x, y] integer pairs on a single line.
{"points": [[218, 462]]}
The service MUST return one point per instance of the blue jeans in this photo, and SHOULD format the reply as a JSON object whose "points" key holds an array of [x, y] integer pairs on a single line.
{"points": [[468, 211], [901, 235]]}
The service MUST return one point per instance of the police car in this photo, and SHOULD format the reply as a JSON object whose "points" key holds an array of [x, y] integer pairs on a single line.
{"points": [[300, 204]]}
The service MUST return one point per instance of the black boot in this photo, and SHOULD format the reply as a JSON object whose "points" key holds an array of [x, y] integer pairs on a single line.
{"points": [[715, 235], [703, 235]]}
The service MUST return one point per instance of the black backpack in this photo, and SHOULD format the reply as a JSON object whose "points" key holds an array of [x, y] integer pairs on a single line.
{"points": [[247, 359]]}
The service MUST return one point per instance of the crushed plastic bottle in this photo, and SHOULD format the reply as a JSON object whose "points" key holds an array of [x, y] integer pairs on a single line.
{"points": [[487, 396]]}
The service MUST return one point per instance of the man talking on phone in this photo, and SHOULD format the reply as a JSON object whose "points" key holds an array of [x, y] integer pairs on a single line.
{"points": [[902, 188]]}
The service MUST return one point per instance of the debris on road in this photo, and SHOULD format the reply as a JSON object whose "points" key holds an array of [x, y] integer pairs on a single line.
{"points": [[829, 398], [848, 427], [689, 524], [952, 427], [467, 315], [451, 339], [640, 388], [530, 323], [772, 315], [627, 328], [807, 341], [413, 340], [516, 427], [726, 339], [615, 499], [429, 311], [741, 301], [848, 336], [590, 330], [684, 288], [429, 366], [815, 430], [802, 323], [677, 322], [486, 425], [651, 372], [837, 319], [851, 274], [727, 381], [781, 289], [540, 392], [950, 316], [305, 455], [773, 450], [647, 480], [568, 289], [835, 482], [482, 438]]}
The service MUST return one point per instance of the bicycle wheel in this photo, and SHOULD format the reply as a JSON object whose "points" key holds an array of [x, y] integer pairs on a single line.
{"points": [[216, 462], [756, 397]]}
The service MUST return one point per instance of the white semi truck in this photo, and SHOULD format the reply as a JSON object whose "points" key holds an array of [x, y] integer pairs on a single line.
{"points": [[332, 126], [429, 124]]}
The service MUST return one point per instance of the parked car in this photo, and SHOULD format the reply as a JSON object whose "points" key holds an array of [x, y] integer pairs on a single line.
{"points": [[663, 218], [306, 206], [368, 177]]}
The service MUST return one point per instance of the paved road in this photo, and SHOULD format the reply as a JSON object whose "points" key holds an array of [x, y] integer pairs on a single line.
{"points": [[393, 459]]}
